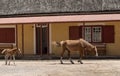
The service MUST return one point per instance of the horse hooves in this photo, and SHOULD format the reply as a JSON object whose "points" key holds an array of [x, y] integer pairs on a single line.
{"points": [[61, 62], [72, 63], [81, 62]]}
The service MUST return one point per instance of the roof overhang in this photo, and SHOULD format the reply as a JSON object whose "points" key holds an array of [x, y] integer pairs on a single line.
{"points": [[69, 18]]}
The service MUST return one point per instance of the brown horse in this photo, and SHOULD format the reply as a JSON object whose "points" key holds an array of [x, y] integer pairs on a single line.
{"points": [[9, 53], [76, 45]]}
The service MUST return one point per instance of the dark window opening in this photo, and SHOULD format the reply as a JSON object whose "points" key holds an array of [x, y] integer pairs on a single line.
{"points": [[7, 35]]}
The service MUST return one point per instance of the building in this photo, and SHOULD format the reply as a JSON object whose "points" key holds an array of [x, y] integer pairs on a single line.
{"points": [[32, 25]]}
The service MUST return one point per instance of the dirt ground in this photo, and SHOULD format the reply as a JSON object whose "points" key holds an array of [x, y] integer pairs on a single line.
{"points": [[54, 68]]}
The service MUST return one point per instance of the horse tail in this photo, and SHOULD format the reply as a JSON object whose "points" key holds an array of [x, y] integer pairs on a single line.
{"points": [[3, 51]]}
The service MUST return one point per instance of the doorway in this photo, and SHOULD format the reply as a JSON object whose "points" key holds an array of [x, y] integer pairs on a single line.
{"points": [[42, 39]]}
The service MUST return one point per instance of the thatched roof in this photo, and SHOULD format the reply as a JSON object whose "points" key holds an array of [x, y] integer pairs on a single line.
{"points": [[48, 7]]}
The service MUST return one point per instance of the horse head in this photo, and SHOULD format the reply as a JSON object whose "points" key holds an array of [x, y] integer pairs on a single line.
{"points": [[17, 50], [95, 51], [88, 46]]}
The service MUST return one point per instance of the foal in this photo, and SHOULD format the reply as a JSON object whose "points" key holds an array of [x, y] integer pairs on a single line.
{"points": [[9, 53]]}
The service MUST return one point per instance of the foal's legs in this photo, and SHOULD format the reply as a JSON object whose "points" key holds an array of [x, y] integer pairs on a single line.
{"points": [[10, 60], [14, 59], [6, 59]]}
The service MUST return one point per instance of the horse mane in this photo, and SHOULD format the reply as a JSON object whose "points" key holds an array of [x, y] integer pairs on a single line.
{"points": [[85, 43]]}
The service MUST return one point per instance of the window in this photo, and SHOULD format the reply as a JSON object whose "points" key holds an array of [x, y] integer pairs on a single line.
{"points": [[96, 37], [7, 35], [87, 33], [74, 32], [93, 34]]}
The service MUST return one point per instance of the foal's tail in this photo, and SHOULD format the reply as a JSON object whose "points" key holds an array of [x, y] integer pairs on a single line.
{"points": [[3, 51]]}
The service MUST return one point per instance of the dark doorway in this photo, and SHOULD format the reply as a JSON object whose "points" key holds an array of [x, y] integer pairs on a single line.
{"points": [[42, 39]]}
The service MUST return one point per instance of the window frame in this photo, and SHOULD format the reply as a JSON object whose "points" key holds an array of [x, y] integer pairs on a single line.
{"points": [[91, 33]]}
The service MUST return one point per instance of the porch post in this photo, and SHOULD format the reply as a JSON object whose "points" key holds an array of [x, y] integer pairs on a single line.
{"points": [[23, 39], [16, 35], [83, 29], [84, 52]]}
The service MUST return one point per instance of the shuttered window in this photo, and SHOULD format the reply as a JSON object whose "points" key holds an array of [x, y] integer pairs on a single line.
{"points": [[108, 34], [7, 35], [94, 34], [74, 32]]}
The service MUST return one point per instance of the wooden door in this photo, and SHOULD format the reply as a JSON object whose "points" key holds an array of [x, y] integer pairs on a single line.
{"points": [[42, 39]]}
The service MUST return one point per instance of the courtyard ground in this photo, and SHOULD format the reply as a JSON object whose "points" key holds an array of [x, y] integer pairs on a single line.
{"points": [[54, 68]]}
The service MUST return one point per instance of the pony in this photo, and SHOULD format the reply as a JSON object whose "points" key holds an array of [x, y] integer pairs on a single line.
{"points": [[80, 45], [9, 54]]}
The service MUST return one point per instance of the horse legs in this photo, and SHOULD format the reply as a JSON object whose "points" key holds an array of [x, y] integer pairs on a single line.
{"points": [[61, 60], [80, 60], [70, 57], [81, 55], [62, 56]]}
